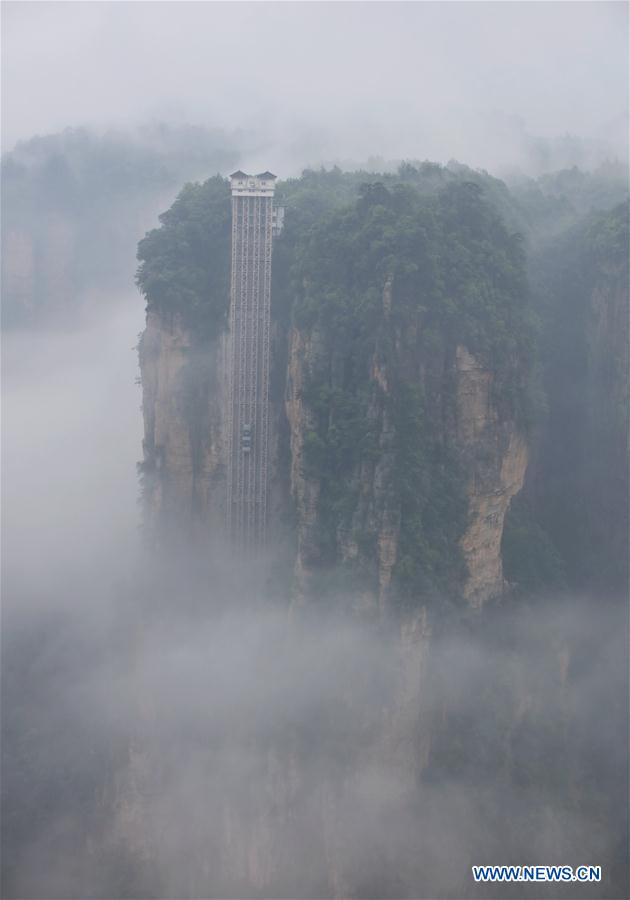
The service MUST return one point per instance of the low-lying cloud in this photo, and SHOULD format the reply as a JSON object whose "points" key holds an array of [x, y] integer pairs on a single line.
{"points": [[167, 733]]}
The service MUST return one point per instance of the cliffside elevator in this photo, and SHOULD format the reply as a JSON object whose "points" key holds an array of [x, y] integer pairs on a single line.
{"points": [[254, 221]]}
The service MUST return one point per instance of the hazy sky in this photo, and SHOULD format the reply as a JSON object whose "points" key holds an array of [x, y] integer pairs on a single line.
{"points": [[330, 79]]}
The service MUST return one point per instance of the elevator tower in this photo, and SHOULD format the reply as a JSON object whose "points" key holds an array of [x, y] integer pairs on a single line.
{"points": [[254, 221]]}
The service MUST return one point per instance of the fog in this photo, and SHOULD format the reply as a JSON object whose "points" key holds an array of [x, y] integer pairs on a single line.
{"points": [[169, 729], [71, 438], [168, 735], [493, 84]]}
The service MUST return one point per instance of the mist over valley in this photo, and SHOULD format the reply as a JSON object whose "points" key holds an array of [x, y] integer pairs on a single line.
{"points": [[315, 522]]}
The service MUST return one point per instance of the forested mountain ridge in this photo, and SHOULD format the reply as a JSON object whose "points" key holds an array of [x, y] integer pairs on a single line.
{"points": [[75, 203]]}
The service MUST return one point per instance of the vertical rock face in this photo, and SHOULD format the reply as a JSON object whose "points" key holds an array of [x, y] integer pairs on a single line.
{"points": [[607, 435], [492, 454], [304, 491], [496, 456], [59, 251], [184, 402], [185, 446], [39, 267], [184, 453], [578, 487], [374, 509], [18, 267]]}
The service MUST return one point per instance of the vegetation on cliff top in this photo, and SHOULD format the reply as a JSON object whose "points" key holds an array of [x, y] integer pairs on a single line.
{"points": [[405, 277], [185, 264]]}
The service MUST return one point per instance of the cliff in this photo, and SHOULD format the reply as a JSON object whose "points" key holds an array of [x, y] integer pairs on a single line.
{"points": [[39, 268], [490, 451], [498, 455], [184, 461], [184, 440], [570, 526], [397, 438]]}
